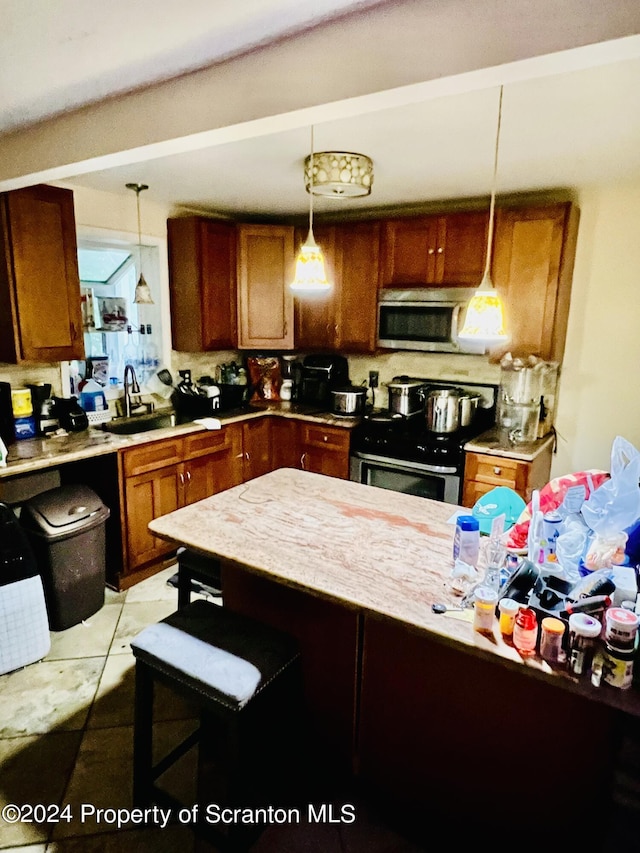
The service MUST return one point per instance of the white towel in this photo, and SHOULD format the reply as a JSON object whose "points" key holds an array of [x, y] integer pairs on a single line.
{"points": [[227, 673]]}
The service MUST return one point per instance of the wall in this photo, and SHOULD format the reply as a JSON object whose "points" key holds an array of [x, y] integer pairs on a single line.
{"points": [[599, 396]]}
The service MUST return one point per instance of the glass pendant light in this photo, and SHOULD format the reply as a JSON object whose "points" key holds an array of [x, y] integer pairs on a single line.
{"points": [[142, 294], [310, 278], [484, 320]]}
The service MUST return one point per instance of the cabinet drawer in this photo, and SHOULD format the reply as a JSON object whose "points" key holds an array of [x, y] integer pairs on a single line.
{"points": [[315, 435], [496, 470], [204, 443], [139, 460]]}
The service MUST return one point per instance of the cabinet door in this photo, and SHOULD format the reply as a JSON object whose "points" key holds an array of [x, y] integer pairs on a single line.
{"points": [[325, 450], [532, 267], [202, 284], [265, 300], [316, 315], [213, 462], [434, 250], [285, 444], [410, 249], [465, 249], [357, 296], [256, 438], [148, 496], [40, 315]]}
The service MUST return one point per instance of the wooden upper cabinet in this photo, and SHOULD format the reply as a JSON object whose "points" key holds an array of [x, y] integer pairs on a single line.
{"points": [[315, 316], [40, 315], [265, 300], [202, 284], [432, 250], [532, 267], [359, 250], [344, 319]]}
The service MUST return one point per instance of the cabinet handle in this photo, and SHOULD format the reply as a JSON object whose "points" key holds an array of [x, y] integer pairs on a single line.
{"points": [[431, 251], [247, 456], [440, 250], [181, 479], [302, 460], [497, 471], [325, 438], [239, 455], [188, 477]]}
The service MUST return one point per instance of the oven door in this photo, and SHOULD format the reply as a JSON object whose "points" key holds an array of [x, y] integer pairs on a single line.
{"points": [[412, 478]]}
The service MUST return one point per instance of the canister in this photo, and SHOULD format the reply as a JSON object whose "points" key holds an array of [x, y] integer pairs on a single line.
{"points": [[508, 610], [621, 627], [617, 666], [484, 608], [21, 402], [551, 635], [584, 631]]}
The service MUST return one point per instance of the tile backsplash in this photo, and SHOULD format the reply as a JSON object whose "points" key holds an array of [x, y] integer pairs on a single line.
{"points": [[33, 374]]}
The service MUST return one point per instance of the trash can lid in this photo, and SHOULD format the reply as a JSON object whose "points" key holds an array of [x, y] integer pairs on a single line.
{"points": [[65, 505]]}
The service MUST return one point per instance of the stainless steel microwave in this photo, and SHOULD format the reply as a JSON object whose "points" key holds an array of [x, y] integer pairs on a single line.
{"points": [[426, 320]]}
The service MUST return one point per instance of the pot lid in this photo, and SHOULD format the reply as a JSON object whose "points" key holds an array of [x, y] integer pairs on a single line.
{"points": [[349, 389], [404, 382]]}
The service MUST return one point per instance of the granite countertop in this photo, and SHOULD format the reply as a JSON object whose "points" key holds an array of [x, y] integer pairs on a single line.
{"points": [[495, 443], [350, 543], [36, 454]]}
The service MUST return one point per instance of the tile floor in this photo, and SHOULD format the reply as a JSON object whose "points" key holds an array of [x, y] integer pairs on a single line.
{"points": [[66, 738]]}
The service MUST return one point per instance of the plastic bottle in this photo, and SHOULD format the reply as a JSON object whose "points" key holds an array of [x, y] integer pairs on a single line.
{"points": [[152, 357], [508, 612], [484, 609], [525, 631], [92, 397], [551, 635], [130, 350], [466, 540]]}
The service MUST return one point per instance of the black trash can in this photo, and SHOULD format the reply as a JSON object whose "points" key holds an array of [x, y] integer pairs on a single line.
{"points": [[66, 529]]}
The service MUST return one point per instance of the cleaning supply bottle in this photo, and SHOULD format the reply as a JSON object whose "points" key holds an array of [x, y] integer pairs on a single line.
{"points": [[92, 397]]}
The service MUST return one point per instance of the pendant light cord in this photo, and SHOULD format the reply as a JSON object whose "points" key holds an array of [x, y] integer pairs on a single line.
{"points": [[493, 188], [311, 187]]}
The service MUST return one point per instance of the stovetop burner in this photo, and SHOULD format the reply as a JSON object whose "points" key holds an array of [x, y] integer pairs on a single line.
{"points": [[385, 434]]}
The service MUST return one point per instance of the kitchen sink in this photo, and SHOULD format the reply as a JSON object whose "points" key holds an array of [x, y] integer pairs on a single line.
{"points": [[140, 423]]}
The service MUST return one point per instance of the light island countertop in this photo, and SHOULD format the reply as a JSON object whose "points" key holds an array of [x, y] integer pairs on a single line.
{"points": [[383, 553]]}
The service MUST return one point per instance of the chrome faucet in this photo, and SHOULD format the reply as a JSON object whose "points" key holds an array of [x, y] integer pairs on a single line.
{"points": [[130, 387]]}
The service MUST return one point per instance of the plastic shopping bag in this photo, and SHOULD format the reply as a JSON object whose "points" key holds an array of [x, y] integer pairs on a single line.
{"points": [[613, 507]]}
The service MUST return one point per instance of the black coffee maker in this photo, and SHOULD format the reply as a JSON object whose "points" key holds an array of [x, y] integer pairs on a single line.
{"points": [[44, 408]]}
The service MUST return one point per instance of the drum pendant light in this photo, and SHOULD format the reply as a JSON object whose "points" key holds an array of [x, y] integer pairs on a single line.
{"points": [[310, 277], [484, 320], [142, 294]]}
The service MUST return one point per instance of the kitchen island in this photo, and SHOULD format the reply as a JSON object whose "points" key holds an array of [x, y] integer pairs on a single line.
{"points": [[426, 712]]}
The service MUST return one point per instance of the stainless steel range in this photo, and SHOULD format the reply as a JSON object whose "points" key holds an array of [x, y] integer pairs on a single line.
{"points": [[422, 453]]}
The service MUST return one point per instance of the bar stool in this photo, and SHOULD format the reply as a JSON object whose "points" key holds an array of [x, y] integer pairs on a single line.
{"points": [[199, 567], [243, 680]]}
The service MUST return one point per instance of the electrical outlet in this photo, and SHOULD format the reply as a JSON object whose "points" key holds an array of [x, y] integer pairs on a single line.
{"points": [[373, 379]]}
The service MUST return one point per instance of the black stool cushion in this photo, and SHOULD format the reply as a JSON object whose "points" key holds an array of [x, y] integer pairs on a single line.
{"points": [[219, 654]]}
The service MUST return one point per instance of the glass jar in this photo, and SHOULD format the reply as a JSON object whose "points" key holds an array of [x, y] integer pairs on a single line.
{"points": [[551, 636], [525, 631], [584, 631]]}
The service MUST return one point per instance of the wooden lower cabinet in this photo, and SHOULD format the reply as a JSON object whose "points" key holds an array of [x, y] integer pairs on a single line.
{"points": [[483, 472], [324, 450], [285, 446], [160, 477], [256, 446]]}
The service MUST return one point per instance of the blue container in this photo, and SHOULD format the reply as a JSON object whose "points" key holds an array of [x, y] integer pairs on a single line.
{"points": [[25, 427]]}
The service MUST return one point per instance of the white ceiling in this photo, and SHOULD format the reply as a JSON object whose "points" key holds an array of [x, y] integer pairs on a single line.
{"points": [[564, 130]]}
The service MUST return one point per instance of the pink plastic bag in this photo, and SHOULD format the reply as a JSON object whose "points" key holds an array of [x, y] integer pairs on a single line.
{"points": [[551, 496]]}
